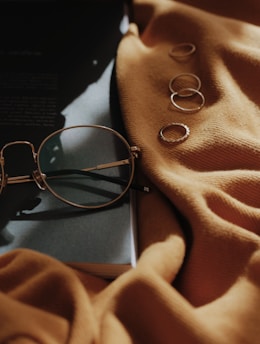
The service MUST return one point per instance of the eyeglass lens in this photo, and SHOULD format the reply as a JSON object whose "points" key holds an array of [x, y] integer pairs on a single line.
{"points": [[87, 166]]}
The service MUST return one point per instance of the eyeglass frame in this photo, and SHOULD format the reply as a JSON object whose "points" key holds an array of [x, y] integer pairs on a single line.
{"points": [[39, 177]]}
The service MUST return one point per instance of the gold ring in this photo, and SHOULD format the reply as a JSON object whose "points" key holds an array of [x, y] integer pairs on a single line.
{"points": [[182, 50], [185, 109]]}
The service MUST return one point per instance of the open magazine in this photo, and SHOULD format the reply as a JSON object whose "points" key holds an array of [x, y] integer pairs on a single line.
{"points": [[57, 70]]}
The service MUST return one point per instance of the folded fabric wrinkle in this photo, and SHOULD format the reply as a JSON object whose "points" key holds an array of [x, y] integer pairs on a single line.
{"points": [[182, 50], [167, 135]]}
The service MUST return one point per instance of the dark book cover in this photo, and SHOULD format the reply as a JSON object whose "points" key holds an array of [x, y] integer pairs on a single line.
{"points": [[57, 70]]}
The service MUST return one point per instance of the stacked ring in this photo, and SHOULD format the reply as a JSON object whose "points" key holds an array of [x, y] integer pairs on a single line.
{"points": [[181, 75], [178, 50], [192, 91]]}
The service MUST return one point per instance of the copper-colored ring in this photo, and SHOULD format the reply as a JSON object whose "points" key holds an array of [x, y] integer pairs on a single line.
{"points": [[178, 140]]}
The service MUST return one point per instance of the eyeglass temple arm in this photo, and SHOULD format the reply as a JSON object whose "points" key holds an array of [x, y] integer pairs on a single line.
{"points": [[88, 172], [54, 174], [28, 178]]}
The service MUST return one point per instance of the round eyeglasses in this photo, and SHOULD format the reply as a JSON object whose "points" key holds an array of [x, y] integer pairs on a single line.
{"points": [[87, 166]]}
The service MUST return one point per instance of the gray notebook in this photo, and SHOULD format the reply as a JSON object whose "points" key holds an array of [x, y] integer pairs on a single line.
{"points": [[57, 70]]}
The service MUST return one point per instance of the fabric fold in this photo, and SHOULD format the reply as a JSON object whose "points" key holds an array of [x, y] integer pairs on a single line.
{"points": [[198, 276]]}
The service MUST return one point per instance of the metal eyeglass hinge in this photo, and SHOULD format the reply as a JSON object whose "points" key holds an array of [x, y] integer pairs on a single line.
{"points": [[38, 178], [135, 151]]}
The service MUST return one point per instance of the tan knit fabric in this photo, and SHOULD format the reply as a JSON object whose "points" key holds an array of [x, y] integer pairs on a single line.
{"points": [[198, 276]]}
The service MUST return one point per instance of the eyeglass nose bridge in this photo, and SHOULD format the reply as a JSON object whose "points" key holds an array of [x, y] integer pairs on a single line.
{"points": [[9, 144], [37, 177]]}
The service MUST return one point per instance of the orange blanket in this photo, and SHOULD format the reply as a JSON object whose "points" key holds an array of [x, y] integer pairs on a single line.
{"points": [[198, 276]]}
